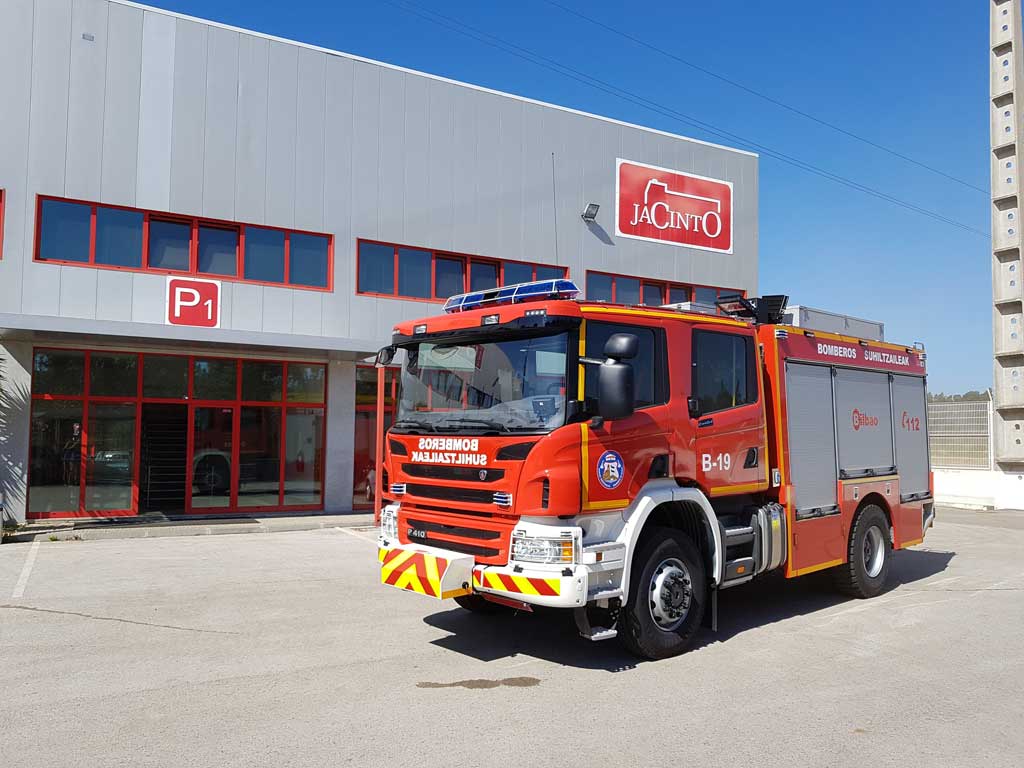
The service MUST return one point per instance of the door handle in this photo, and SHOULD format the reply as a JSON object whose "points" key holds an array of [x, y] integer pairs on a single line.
{"points": [[751, 461]]}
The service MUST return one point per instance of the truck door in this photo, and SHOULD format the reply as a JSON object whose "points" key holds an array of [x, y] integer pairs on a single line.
{"points": [[729, 418]]}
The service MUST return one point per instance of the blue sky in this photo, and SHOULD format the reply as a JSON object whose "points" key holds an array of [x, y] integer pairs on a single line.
{"points": [[912, 76]]}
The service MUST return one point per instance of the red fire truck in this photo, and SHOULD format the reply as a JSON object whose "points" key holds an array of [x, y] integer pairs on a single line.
{"points": [[629, 463]]}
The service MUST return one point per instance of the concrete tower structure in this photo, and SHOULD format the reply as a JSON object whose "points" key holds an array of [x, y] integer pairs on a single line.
{"points": [[1007, 72]]}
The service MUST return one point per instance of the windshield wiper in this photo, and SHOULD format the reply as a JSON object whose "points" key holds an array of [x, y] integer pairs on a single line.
{"points": [[479, 422], [411, 424]]}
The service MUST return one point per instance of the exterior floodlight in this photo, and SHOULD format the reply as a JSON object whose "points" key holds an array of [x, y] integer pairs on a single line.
{"points": [[591, 212]]}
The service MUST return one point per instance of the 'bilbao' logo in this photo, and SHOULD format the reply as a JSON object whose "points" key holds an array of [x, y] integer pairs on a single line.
{"points": [[609, 469], [861, 419]]}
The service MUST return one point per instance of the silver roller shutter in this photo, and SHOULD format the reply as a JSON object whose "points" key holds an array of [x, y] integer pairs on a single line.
{"points": [[908, 415], [863, 423], [812, 454]]}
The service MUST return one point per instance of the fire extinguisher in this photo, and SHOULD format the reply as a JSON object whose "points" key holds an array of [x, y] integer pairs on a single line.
{"points": [[300, 462]]}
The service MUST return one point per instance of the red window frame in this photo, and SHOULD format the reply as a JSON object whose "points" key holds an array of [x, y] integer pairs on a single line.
{"points": [[664, 285], [195, 222], [467, 265], [370, 409], [236, 404]]}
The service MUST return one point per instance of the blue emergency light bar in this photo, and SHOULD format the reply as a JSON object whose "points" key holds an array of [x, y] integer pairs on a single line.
{"points": [[513, 294]]}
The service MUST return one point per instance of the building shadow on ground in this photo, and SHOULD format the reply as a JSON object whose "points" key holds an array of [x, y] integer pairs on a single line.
{"points": [[551, 634]]}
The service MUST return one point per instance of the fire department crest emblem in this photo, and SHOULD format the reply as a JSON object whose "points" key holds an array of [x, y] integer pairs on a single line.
{"points": [[609, 469]]}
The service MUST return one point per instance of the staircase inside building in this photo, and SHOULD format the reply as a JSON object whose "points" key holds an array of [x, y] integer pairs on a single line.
{"points": [[163, 459]]}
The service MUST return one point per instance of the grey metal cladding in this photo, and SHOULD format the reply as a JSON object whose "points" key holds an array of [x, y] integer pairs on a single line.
{"points": [[812, 452], [174, 114], [863, 421], [908, 415]]}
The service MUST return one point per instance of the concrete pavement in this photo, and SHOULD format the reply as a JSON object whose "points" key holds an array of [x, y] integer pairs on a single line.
{"points": [[282, 650]]}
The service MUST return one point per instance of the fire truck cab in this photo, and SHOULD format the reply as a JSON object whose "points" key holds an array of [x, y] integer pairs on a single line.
{"points": [[629, 463]]}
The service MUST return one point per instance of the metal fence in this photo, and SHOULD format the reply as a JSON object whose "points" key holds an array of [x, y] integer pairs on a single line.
{"points": [[960, 435]]}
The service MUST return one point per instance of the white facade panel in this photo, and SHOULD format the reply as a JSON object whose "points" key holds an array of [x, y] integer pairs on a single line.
{"points": [[121, 103], [155, 111], [221, 117], [86, 97]]}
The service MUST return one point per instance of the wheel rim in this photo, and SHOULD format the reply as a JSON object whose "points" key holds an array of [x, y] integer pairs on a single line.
{"points": [[874, 551], [669, 594]]}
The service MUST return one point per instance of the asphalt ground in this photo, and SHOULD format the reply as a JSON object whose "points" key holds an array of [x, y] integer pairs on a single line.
{"points": [[283, 650]]}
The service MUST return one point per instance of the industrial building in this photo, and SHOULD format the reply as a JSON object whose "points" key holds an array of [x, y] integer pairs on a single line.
{"points": [[205, 231]]}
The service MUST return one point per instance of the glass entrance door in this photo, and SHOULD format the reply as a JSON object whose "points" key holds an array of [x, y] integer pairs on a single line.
{"points": [[213, 429]]}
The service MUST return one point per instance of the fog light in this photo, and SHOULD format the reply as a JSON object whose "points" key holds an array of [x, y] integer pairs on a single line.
{"points": [[490, 320]]}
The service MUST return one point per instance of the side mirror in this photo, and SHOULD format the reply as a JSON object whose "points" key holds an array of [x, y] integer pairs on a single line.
{"points": [[693, 406], [621, 346], [615, 388], [384, 356]]}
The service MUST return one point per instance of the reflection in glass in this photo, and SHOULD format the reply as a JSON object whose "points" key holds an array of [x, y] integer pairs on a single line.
{"points": [[306, 383], [307, 260], [215, 379], [118, 237], [58, 372], [55, 437], [211, 461], [483, 275], [449, 277], [109, 463], [653, 296], [264, 254], [627, 290], [517, 273], [165, 376], [599, 287], [376, 268], [303, 483], [169, 244], [678, 294], [705, 296], [259, 479], [550, 273], [261, 381], [218, 251], [113, 375], [414, 273], [64, 231]]}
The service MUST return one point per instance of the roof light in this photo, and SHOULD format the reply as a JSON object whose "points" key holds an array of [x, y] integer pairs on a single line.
{"points": [[513, 294]]}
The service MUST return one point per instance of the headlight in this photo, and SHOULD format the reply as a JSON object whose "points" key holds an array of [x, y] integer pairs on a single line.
{"points": [[527, 549], [389, 523]]}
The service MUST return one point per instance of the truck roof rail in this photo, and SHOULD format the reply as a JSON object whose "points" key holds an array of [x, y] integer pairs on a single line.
{"points": [[763, 310], [537, 290]]}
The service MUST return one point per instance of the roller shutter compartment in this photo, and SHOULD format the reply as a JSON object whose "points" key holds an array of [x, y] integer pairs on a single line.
{"points": [[863, 423], [908, 416], [812, 454]]}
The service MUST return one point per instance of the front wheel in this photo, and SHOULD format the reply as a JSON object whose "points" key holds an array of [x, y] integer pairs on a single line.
{"points": [[870, 550], [667, 595]]}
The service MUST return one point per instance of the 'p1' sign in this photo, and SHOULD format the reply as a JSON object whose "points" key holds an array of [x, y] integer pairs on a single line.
{"points": [[193, 302]]}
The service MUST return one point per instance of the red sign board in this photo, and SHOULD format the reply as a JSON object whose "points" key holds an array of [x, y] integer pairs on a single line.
{"points": [[673, 207], [193, 302], [883, 357]]}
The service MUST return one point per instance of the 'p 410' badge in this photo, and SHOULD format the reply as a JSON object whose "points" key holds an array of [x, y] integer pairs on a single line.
{"points": [[609, 470]]}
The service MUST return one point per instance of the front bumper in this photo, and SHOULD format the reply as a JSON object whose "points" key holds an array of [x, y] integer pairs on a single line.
{"points": [[442, 574]]}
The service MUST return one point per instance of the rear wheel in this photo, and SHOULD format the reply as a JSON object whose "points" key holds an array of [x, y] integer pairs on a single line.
{"points": [[667, 594], [870, 549]]}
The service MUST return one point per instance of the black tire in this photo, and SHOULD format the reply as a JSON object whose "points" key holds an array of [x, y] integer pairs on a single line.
{"points": [[640, 632], [477, 604], [862, 575], [213, 475]]}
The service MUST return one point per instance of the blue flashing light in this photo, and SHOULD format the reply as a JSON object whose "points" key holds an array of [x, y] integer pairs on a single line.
{"points": [[513, 294]]}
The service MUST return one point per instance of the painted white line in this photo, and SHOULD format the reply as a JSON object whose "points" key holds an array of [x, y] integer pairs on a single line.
{"points": [[26, 571], [371, 538]]}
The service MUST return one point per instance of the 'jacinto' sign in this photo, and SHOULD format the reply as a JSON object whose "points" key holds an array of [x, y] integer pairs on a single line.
{"points": [[669, 206]]}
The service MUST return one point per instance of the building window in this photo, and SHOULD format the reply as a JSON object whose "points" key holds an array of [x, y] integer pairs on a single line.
{"points": [[404, 272], [724, 370], [121, 433], [116, 237], [623, 289]]}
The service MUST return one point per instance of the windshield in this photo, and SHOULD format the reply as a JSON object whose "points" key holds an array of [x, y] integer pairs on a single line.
{"points": [[512, 385]]}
